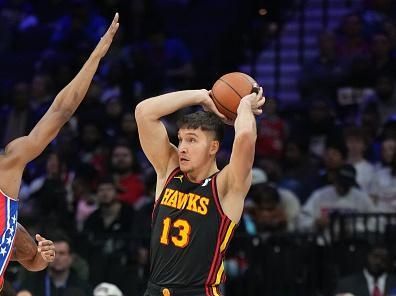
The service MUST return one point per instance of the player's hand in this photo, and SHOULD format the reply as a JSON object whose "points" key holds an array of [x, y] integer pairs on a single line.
{"points": [[103, 46], [256, 101], [46, 248], [208, 104]]}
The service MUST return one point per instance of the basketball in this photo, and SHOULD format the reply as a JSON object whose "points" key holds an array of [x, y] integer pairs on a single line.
{"points": [[228, 91]]}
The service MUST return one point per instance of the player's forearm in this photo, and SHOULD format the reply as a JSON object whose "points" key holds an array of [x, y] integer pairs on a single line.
{"points": [[71, 96], [157, 107], [36, 264], [245, 123]]}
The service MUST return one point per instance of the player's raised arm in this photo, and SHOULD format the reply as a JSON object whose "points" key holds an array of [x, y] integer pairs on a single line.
{"points": [[152, 133], [27, 148], [237, 173]]}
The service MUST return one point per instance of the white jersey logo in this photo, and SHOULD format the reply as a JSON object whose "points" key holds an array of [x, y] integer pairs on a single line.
{"points": [[206, 182]]}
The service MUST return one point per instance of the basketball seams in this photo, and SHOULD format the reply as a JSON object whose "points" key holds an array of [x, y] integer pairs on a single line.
{"points": [[217, 101], [230, 86]]}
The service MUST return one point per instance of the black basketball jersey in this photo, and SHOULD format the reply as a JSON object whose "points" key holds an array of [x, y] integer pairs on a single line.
{"points": [[190, 235]]}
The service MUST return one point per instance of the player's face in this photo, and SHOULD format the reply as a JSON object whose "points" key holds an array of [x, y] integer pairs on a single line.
{"points": [[195, 149]]}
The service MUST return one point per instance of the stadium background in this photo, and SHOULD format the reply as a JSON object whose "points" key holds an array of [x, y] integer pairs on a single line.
{"points": [[328, 71]]}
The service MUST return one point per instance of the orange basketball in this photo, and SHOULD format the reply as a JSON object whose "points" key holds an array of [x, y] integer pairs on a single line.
{"points": [[228, 91]]}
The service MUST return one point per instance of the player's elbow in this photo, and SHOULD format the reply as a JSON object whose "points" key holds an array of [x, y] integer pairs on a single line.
{"points": [[247, 137], [144, 111]]}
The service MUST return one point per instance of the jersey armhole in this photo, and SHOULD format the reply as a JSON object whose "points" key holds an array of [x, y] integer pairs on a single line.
{"points": [[216, 196], [171, 175]]}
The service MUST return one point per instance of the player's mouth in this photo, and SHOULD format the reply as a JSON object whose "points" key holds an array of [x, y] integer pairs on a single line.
{"points": [[183, 159]]}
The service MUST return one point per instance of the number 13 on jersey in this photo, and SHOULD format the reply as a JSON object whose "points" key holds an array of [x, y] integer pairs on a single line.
{"points": [[180, 240]]}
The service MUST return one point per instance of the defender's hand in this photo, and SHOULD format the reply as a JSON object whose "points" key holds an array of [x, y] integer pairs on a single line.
{"points": [[46, 248], [104, 43]]}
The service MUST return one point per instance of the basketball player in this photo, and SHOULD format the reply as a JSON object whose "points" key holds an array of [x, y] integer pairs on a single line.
{"points": [[22, 150], [197, 206]]}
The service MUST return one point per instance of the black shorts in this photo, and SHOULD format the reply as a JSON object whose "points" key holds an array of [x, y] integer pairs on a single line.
{"points": [[155, 290]]}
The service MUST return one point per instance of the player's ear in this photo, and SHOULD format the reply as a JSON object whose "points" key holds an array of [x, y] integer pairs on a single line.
{"points": [[214, 147]]}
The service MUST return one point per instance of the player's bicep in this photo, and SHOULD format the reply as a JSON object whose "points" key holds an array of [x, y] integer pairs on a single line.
{"points": [[29, 147], [156, 146]]}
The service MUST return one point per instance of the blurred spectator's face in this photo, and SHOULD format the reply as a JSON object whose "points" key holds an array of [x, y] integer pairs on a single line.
{"points": [[24, 293], [90, 135], [128, 124], [122, 159], [270, 107], [381, 45], [264, 211], [106, 193], [53, 164], [352, 26], [388, 150], [319, 112], [113, 108], [378, 261], [333, 158], [39, 86], [63, 258], [355, 146], [327, 43], [21, 93], [384, 87], [293, 153]]}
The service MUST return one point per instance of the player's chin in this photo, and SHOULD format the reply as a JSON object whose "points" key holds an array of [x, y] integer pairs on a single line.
{"points": [[184, 167]]}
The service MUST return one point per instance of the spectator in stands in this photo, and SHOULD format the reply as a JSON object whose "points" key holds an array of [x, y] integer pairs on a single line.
{"points": [[356, 144], [17, 117], [334, 157], [299, 168], [374, 280], [124, 169], [163, 63], [341, 197], [271, 132], [382, 60], [321, 76], [276, 202], [388, 152], [107, 231], [383, 188], [82, 194], [59, 278], [351, 41], [48, 195]]}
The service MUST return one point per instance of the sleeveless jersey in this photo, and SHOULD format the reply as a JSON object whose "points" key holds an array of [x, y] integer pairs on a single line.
{"points": [[8, 225], [190, 234]]}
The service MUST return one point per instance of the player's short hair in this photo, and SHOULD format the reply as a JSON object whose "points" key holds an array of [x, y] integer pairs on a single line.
{"points": [[206, 121]]}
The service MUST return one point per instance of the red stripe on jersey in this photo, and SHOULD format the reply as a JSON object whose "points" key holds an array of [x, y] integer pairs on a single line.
{"points": [[217, 251], [216, 196], [3, 211], [216, 263]]}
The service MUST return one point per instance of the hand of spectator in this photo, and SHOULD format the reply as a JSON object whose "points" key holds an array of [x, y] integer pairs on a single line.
{"points": [[46, 248], [104, 43]]}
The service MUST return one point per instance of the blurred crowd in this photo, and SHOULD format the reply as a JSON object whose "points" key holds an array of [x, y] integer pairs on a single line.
{"points": [[91, 192]]}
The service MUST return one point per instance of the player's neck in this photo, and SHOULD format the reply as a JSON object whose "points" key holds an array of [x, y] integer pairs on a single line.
{"points": [[201, 174]]}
